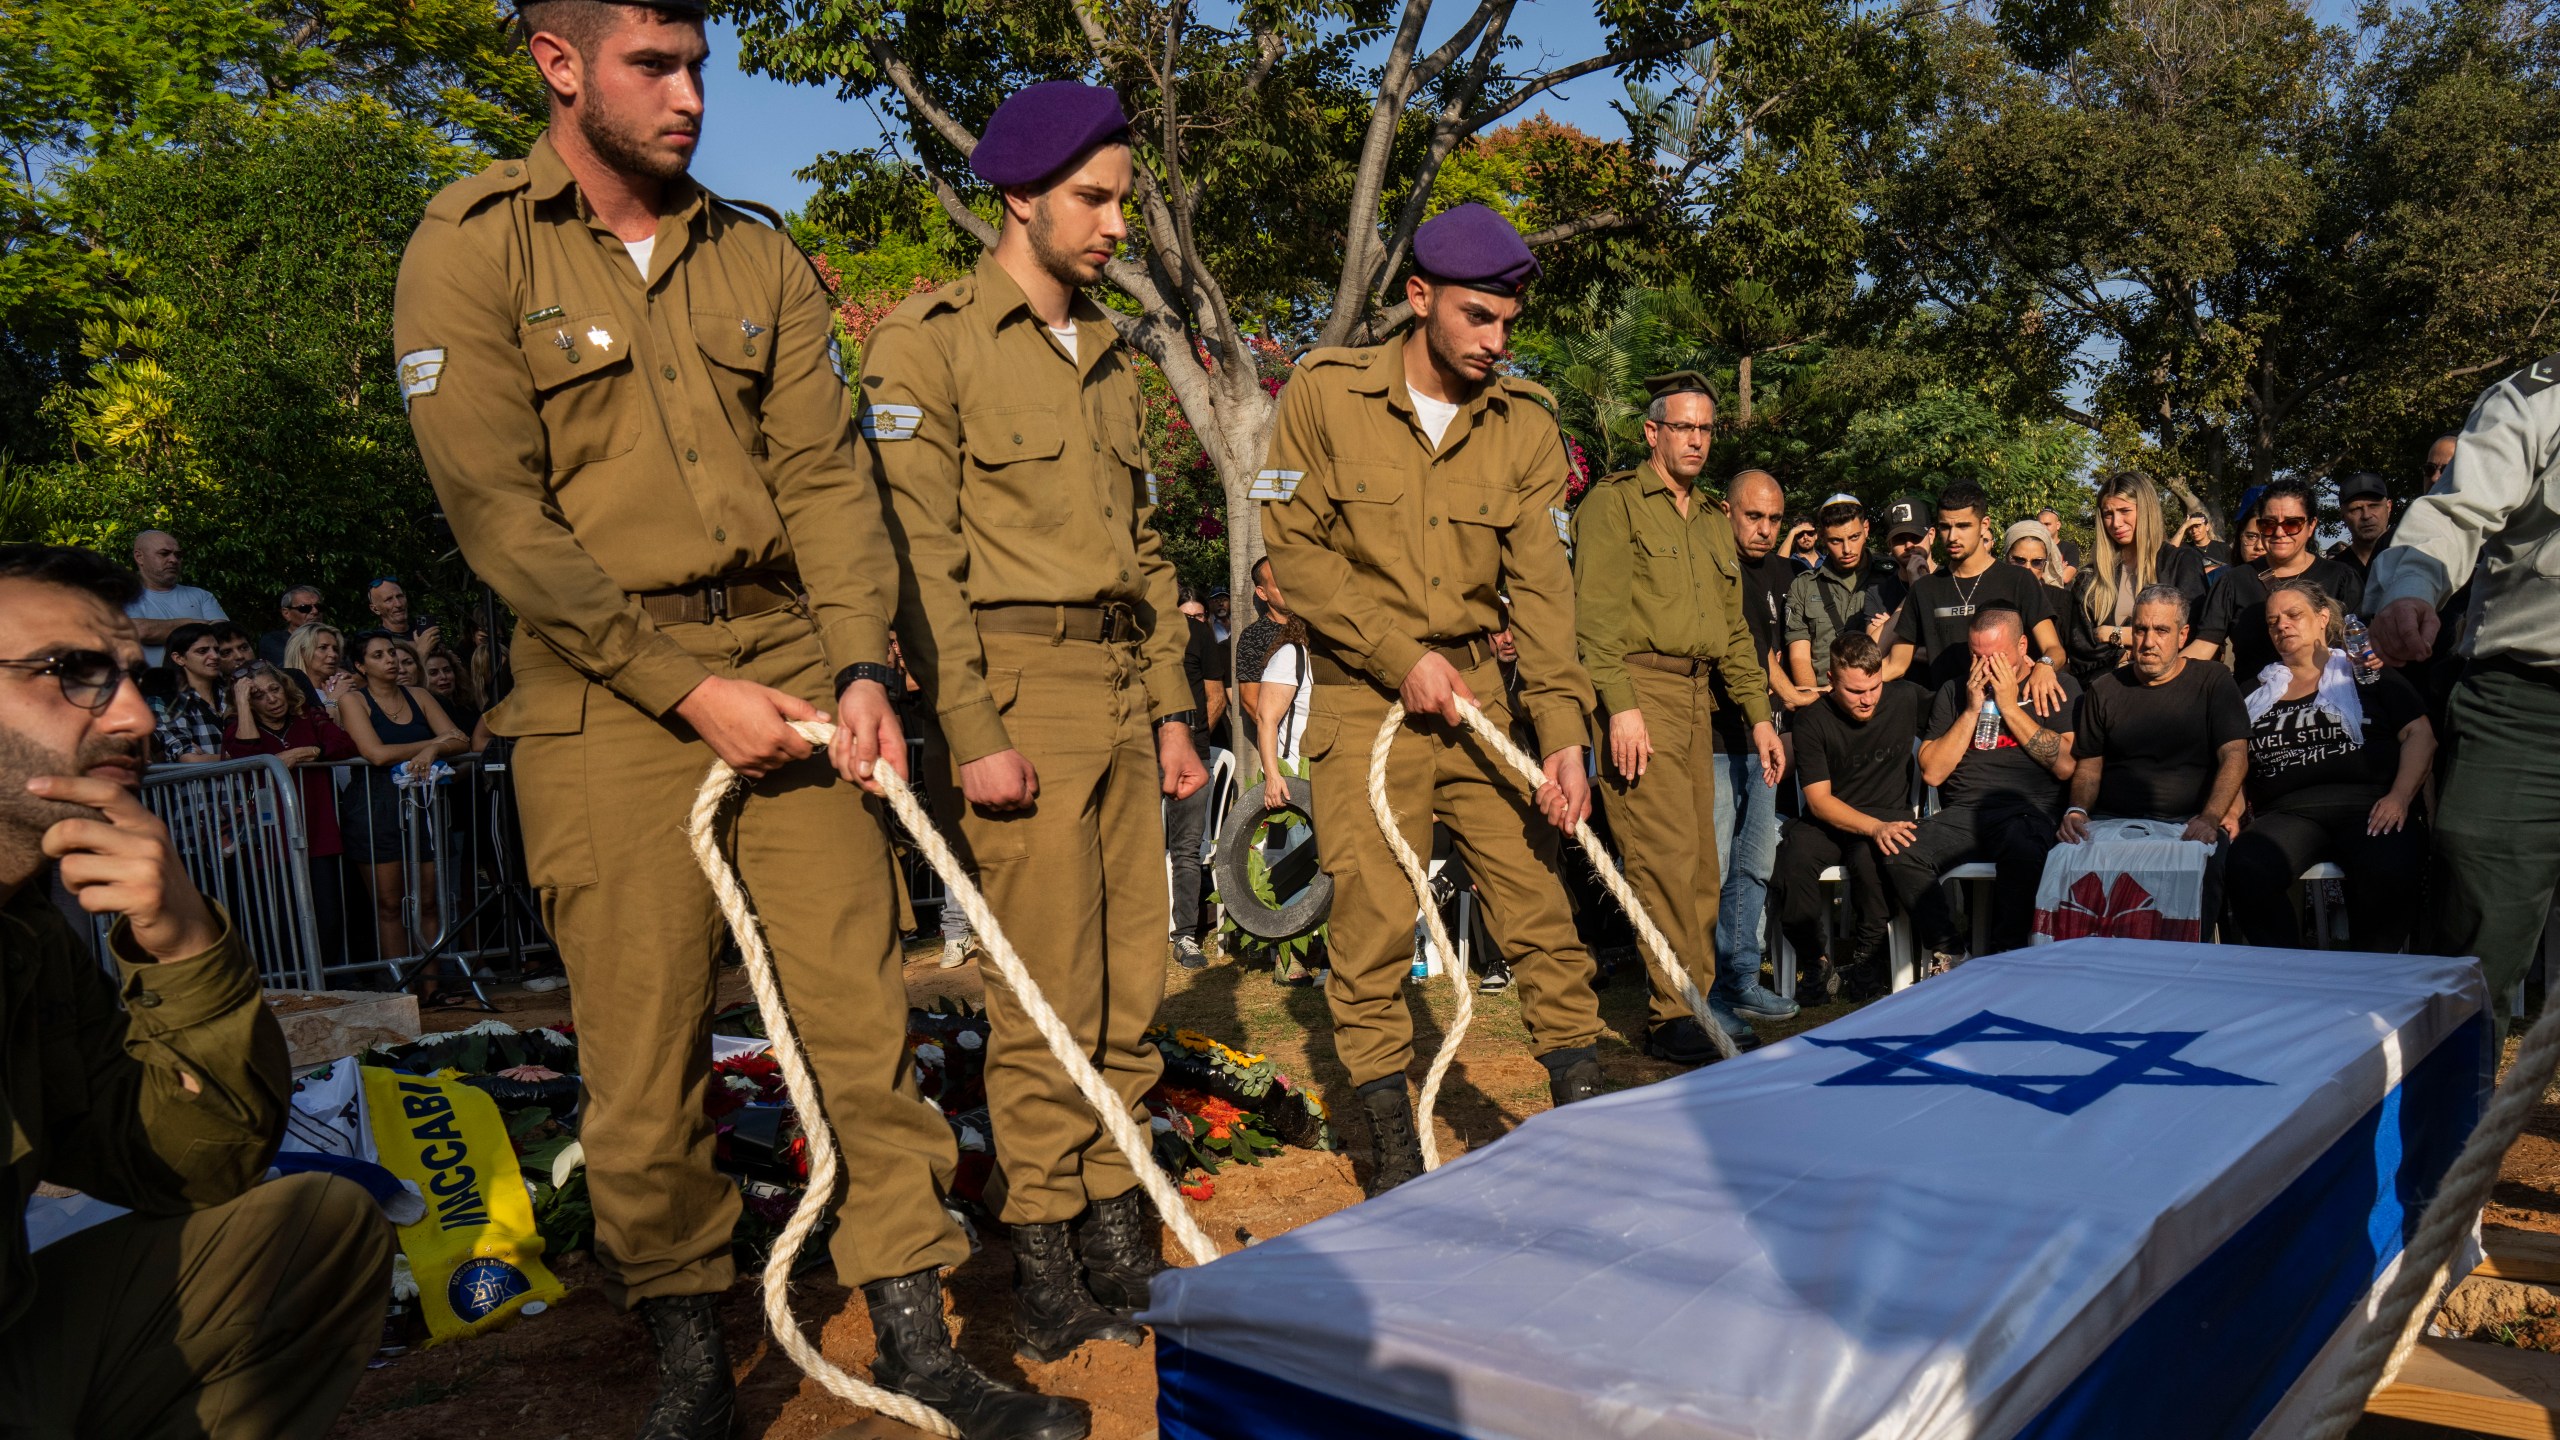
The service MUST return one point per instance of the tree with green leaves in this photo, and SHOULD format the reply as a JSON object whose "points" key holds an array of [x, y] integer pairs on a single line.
{"points": [[1279, 178]]}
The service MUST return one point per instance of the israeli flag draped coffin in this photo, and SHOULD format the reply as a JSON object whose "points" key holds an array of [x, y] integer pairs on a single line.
{"points": [[2105, 1188]]}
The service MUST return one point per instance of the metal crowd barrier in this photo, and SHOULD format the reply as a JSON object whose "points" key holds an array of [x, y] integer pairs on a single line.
{"points": [[241, 830]]}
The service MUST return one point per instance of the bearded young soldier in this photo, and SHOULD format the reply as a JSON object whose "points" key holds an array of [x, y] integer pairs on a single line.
{"points": [[1002, 415], [629, 400], [1407, 487]]}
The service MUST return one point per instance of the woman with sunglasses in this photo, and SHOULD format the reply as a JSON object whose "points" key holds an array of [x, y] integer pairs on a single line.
{"points": [[2236, 611]]}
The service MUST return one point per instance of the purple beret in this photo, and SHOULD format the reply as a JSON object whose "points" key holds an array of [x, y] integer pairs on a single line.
{"points": [[1039, 128], [1472, 246]]}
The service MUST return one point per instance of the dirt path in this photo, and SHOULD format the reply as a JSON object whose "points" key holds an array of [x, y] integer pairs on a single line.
{"points": [[581, 1372]]}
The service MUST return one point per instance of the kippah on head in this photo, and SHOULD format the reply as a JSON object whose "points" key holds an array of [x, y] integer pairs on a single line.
{"points": [[1472, 246], [1040, 128]]}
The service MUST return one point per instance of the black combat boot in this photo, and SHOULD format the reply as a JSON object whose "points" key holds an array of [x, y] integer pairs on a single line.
{"points": [[1395, 1151], [1573, 1074], [695, 1396], [1051, 1308], [1117, 1240], [916, 1359]]}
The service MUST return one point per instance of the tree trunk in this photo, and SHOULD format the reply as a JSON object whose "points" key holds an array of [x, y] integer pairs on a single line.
{"points": [[1742, 387]]}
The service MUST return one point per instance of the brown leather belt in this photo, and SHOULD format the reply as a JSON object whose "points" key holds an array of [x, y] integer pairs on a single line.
{"points": [[735, 598], [1091, 623], [1464, 654], [1688, 665]]}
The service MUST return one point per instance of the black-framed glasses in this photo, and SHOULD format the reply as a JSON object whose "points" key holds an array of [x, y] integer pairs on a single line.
{"points": [[89, 678]]}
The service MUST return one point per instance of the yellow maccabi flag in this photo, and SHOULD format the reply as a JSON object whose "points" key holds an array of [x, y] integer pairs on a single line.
{"points": [[476, 1256]]}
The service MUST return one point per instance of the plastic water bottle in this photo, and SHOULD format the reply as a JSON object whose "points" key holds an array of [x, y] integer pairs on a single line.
{"points": [[2359, 648], [1986, 725]]}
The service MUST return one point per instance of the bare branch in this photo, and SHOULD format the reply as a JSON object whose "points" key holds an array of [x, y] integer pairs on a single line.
{"points": [[1360, 232], [2468, 370], [1555, 234], [1268, 48], [961, 215], [894, 65], [1537, 85], [1429, 67]]}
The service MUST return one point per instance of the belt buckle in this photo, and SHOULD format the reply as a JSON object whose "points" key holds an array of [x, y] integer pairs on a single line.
{"points": [[715, 600]]}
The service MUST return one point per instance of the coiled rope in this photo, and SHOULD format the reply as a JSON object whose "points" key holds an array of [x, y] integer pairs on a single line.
{"points": [[2415, 1290], [1656, 946], [701, 828]]}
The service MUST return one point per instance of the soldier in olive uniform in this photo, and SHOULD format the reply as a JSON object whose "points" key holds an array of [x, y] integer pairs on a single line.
{"points": [[1407, 485], [1003, 418], [1660, 612], [627, 395]]}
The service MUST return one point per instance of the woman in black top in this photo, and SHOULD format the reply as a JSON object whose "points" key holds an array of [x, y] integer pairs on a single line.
{"points": [[396, 727], [2133, 553], [2334, 770]]}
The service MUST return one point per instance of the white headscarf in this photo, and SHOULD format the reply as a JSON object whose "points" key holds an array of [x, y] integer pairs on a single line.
{"points": [[2336, 695]]}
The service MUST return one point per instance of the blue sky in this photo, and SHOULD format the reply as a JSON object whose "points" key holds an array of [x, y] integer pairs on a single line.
{"points": [[758, 130]]}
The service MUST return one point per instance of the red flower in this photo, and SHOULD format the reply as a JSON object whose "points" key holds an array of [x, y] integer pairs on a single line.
{"points": [[1200, 1189]]}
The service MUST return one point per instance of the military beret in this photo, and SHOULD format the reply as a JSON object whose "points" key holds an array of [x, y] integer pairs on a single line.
{"points": [[1040, 128], [1472, 246], [1680, 382]]}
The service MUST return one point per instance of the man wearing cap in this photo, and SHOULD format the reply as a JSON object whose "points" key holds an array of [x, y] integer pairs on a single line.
{"points": [[1001, 414], [1660, 610], [2364, 501], [1840, 596], [625, 390], [1407, 485]]}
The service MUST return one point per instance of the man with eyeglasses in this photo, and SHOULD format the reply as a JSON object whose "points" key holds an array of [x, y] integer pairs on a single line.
{"points": [[1661, 613], [2236, 608], [164, 604], [297, 607], [219, 1306]]}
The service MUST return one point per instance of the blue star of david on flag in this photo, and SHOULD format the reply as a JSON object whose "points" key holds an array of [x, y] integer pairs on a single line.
{"points": [[2134, 1057]]}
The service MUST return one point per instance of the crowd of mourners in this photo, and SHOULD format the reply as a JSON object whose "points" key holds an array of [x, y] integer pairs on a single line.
{"points": [[358, 711]]}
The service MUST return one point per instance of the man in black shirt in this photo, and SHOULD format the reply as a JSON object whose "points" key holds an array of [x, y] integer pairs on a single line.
{"points": [[2236, 608], [1203, 665], [1942, 604], [1853, 754], [2364, 502], [2000, 779], [2163, 737]]}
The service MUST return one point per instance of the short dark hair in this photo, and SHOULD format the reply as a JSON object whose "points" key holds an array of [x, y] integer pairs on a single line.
{"points": [[1831, 517], [1261, 563], [2288, 489], [184, 638], [225, 631], [72, 568], [583, 23], [1997, 615], [1857, 650], [1964, 495]]}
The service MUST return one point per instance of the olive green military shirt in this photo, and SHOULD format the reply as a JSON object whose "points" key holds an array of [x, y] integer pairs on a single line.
{"points": [[596, 436], [1387, 546], [1647, 577], [92, 1097], [1015, 476]]}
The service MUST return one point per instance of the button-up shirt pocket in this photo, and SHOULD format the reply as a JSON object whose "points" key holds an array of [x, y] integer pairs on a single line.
{"points": [[578, 364], [1000, 489], [740, 350], [1366, 498], [1484, 513]]}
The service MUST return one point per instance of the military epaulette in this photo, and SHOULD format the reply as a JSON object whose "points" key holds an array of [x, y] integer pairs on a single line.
{"points": [[2537, 377], [1353, 355], [463, 196], [765, 213], [953, 295], [1613, 477], [1528, 390]]}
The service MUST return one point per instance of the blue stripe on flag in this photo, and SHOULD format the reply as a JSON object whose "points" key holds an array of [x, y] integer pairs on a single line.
{"points": [[2259, 1308], [1201, 1397]]}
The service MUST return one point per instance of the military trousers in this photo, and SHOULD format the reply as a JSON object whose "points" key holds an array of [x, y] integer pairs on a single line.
{"points": [[1665, 824], [1078, 882], [249, 1320], [605, 788], [1435, 772], [2498, 830]]}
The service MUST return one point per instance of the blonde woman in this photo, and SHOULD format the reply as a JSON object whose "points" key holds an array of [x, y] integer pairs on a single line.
{"points": [[312, 656], [2131, 553]]}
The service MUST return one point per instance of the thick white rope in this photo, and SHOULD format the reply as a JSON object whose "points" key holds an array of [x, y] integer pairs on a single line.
{"points": [[1656, 945], [702, 829], [2414, 1291]]}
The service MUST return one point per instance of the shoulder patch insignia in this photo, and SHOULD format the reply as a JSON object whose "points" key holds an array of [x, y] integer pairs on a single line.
{"points": [[1564, 528], [835, 359], [420, 372], [885, 423], [1155, 492], [2537, 377], [1275, 485]]}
